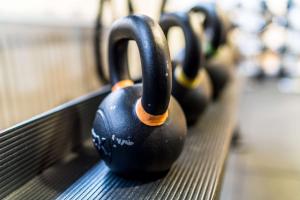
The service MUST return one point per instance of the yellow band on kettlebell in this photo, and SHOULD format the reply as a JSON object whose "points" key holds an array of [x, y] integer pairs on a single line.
{"points": [[148, 119], [186, 81], [122, 84]]}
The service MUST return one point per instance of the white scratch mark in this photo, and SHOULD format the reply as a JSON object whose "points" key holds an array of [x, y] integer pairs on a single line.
{"points": [[98, 143], [99, 112], [96, 139], [124, 142], [112, 107]]}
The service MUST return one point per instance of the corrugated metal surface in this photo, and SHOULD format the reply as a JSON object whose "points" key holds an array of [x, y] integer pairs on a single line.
{"points": [[29, 148], [196, 175]]}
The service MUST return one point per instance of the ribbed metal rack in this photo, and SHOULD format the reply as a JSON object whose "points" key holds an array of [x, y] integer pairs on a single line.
{"points": [[51, 157]]}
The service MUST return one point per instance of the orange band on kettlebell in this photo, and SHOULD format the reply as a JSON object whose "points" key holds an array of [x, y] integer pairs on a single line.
{"points": [[148, 119], [122, 84]]}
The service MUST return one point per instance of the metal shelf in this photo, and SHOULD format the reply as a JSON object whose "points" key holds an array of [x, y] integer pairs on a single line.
{"points": [[51, 157]]}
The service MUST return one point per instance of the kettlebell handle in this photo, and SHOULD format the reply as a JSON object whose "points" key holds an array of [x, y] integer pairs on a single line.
{"points": [[192, 53], [211, 22], [155, 60]]}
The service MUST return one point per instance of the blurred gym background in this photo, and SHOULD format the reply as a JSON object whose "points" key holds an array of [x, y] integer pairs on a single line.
{"points": [[46, 47], [47, 58]]}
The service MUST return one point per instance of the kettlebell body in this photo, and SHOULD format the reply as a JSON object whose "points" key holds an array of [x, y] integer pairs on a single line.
{"points": [[193, 101], [219, 77], [216, 35], [129, 146], [139, 128], [191, 84]]}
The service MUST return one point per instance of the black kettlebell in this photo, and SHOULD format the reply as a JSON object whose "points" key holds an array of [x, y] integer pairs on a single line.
{"points": [[215, 34], [191, 84], [139, 128]]}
